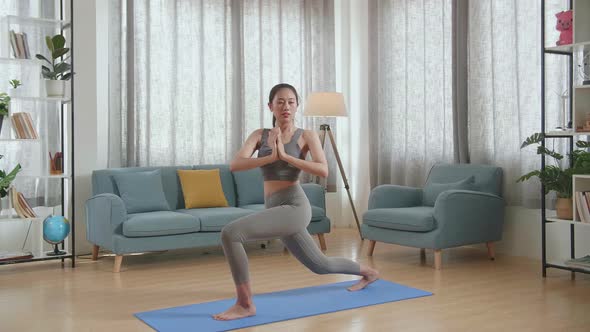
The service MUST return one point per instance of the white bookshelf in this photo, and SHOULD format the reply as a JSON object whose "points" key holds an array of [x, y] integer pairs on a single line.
{"points": [[35, 21], [20, 140], [576, 47], [566, 133], [52, 118], [43, 99], [23, 62], [580, 183], [579, 95]]}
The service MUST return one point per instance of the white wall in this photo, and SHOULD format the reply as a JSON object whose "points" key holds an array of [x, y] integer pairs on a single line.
{"points": [[90, 107]]}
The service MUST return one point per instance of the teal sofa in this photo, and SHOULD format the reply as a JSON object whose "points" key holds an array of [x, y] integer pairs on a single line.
{"points": [[460, 204], [110, 226]]}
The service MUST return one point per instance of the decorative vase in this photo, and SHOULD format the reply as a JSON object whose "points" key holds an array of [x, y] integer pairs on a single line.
{"points": [[564, 208], [5, 206], [14, 92], [55, 88]]}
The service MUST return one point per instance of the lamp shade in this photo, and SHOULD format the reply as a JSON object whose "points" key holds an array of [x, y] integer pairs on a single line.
{"points": [[325, 104]]}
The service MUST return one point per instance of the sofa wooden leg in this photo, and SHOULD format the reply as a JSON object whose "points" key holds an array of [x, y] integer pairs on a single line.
{"points": [[285, 250], [438, 259], [491, 250], [118, 261], [371, 247], [322, 241], [95, 252], [422, 255]]}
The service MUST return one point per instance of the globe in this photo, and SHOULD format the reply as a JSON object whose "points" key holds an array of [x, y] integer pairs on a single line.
{"points": [[55, 230]]}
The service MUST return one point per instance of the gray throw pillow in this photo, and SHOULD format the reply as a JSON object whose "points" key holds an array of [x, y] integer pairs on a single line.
{"points": [[142, 191], [432, 190]]}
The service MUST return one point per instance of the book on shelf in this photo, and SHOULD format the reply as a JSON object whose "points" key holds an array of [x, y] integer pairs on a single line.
{"points": [[581, 263], [20, 204], [20, 45], [14, 255], [23, 126], [583, 205]]}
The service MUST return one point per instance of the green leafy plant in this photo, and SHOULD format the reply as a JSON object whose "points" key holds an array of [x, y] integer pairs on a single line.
{"points": [[4, 102], [57, 70], [7, 178], [15, 83], [554, 177]]}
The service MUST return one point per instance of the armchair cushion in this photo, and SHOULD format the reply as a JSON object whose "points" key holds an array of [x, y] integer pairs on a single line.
{"points": [[160, 223], [412, 219], [433, 189], [142, 191]]}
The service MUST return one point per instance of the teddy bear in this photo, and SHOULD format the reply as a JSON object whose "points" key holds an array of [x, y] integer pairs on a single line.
{"points": [[566, 26]]}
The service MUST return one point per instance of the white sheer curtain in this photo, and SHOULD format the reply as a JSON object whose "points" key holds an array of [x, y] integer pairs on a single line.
{"points": [[202, 71], [410, 89], [504, 88]]}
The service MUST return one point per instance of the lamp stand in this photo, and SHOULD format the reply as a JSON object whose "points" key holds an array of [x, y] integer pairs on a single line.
{"points": [[325, 129]]}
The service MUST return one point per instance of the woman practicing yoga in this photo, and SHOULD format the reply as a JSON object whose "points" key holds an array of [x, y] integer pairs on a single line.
{"points": [[288, 211]]}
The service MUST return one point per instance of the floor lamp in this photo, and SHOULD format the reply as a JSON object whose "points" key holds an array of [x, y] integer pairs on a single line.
{"points": [[330, 104]]}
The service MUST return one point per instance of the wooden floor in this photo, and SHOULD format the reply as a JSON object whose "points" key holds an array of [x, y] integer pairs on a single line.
{"points": [[471, 293]]}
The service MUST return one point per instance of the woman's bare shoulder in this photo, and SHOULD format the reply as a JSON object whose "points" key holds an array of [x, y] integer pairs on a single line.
{"points": [[309, 134]]}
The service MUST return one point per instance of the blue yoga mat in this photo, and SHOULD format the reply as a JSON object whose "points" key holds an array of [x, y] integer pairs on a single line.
{"points": [[279, 306]]}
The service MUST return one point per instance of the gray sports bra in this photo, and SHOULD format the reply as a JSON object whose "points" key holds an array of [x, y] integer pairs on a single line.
{"points": [[280, 169]]}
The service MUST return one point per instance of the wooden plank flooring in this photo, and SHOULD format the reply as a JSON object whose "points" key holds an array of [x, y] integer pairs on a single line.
{"points": [[471, 292]]}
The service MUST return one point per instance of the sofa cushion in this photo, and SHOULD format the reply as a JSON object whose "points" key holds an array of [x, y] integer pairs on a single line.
{"points": [[103, 182], [433, 189], [213, 219], [160, 223], [412, 219], [317, 213], [227, 181], [142, 191], [249, 187], [202, 188]]}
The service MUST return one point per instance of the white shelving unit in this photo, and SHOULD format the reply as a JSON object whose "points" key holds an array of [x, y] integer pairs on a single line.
{"points": [[579, 113], [56, 112], [581, 183]]}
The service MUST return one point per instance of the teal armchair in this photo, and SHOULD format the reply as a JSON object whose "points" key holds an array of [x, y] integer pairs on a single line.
{"points": [[460, 204]]}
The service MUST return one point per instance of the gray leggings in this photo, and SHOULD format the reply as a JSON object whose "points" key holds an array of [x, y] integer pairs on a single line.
{"points": [[286, 216]]}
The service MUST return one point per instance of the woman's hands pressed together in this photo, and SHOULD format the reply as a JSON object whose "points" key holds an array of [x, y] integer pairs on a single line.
{"points": [[275, 141], [274, 136]]}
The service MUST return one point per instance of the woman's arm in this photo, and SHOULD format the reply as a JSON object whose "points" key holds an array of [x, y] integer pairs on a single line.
{"points": [[243, 159], [318, 166]]}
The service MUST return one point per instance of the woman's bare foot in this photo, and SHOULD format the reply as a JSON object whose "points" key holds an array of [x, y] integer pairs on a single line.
{"points": [[236, 312], [369, 275]]}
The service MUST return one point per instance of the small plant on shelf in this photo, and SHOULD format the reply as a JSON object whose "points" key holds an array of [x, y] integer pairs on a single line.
{"points": [[57, 72], [15, 83], [4, 104], [556, 177], [14, 92], [7, 178]]}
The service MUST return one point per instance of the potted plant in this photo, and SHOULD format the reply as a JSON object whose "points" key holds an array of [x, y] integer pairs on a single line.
{"points": [[4, 104], [556, 177], [5, 181], [58, 71], [15, 84]]}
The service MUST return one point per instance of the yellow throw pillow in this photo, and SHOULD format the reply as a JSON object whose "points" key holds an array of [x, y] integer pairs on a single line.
{"points": [[202, 188]]}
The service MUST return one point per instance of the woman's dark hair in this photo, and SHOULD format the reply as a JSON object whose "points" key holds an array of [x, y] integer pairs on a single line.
{"points": [[276, 89]]}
